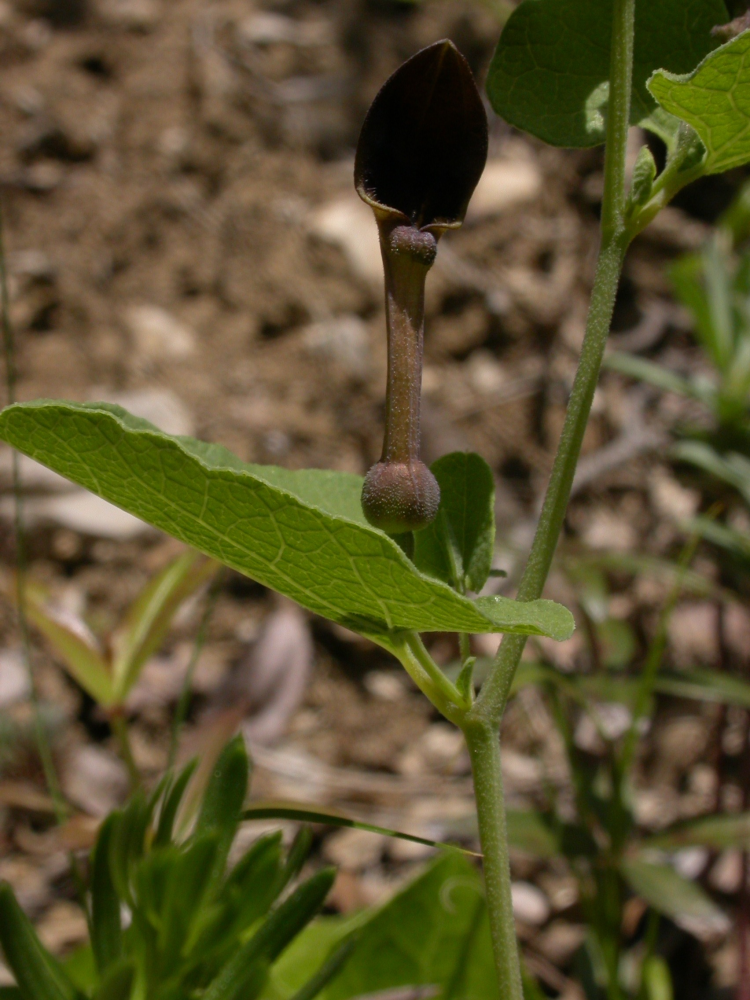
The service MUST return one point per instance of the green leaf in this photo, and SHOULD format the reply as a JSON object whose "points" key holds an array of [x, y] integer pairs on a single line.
{"points": [[224, 798], [37, 973], [644, 175], [299, 532], [182, 893], [550, 73], [656, 375], [671, 894], [106, 930], [255, 881], [273, 936], [328, 970], [128, 843], [419, 938], [118, 983], [150, 617], [74, 645], [716, 832], [458, 546], [298, 854], [714, 100], [733, 468], [657, 979], [730, 539], [171, 803], [706, 685], [312, 814], [528, 617], [530, 833]]}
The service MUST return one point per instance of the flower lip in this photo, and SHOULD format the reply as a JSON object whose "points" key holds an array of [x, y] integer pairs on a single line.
{"points": [[423, 144]]}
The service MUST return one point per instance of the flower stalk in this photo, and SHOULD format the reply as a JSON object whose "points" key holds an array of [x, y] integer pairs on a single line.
{"points": [[400, 493], [421, 151]]}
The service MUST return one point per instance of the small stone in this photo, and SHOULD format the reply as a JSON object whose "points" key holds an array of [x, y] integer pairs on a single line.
{"points": [[530, 905], [560, 941], [137, 15], [408, 850], [88, 514], [14, 678], [354, 850], [160, 407], [613, 720], [34, 476], [726, 874], [690, 862], [343, 340], [608, 530], [737, 628], [94, 779], [270, 28], [62, 926], [160, 683], [504, 185], [349, 224], [385, 685], [672, 500], [682, 742], [656, 808], [158, 335], [522, 774], [485, 372]]}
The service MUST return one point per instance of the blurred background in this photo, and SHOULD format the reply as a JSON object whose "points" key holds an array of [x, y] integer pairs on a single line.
{"points": [[182, 237]]}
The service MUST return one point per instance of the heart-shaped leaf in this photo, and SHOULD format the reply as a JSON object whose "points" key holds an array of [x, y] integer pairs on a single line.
{"points": [[458, 546], [550, 73], [715, 100], [299, 532]]}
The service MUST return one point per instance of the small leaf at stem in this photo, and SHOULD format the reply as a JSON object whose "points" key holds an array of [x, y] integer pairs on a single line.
{"points": [[458, 547], [715, 100], [644, 174], [550, 72], [423, 144], [528, 617]]}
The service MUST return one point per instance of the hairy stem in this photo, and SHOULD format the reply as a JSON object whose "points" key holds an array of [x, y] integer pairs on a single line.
{"points": [[484, 751], [615, 240], [405, 275], [482, 723]]}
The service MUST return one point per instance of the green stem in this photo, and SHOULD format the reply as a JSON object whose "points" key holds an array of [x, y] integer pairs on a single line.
{"points": [[428, 677], [120, 728], [615, 240], [481, 723], [183, 702], [484, 751]]}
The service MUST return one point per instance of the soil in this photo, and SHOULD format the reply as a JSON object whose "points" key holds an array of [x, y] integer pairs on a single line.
{"points": [[170, 170]]}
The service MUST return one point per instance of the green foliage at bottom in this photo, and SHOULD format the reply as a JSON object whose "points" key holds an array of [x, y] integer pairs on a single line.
{"points": [[194, 927], [432, 933]]}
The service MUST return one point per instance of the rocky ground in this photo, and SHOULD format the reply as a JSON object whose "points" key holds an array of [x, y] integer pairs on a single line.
{"points": [[183, 237]]}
